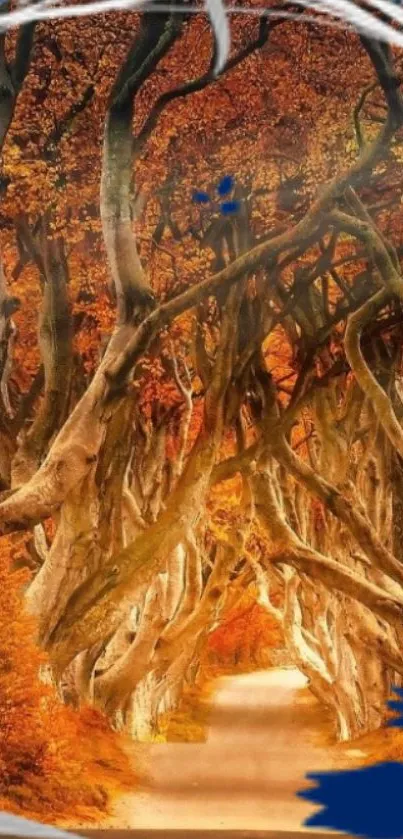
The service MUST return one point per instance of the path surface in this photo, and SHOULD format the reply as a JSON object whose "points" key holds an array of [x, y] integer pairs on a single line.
{"points": [[266, 731]]}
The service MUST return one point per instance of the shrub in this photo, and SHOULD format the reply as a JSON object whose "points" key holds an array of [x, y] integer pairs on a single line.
{"points": [[56, 764]]}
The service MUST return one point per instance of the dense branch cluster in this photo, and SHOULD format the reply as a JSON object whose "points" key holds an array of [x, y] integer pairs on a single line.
{"points": [[257, 356]]}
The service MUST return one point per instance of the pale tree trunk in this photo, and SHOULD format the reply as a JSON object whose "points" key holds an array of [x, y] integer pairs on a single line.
{"points": [[154, 685], [175, 652], [88, 550], [131, 682], [350, 679], [113, 689], [124, 677], [139, 561], [346, 677], [199, 612], [363, 676], [89, 528]]}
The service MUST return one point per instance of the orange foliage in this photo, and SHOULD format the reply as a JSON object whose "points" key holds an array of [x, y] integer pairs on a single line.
{"points": [[245, 637], [54, 762]]}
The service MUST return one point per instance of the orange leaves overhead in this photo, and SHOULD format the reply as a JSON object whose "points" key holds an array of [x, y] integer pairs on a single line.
{"points": [[245, 637]]}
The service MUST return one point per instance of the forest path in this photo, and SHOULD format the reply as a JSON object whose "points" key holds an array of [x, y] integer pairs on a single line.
{"points": [[266, 731]]}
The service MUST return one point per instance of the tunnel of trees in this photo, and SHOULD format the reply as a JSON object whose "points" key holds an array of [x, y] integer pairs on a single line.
{"points": [[194, 402]]}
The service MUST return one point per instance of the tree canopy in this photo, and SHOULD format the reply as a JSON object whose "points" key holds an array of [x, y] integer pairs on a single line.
{"points": [[196, 403]]}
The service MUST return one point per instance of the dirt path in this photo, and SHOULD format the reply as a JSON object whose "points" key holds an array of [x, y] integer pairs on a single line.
{"points": [[266, 731]]}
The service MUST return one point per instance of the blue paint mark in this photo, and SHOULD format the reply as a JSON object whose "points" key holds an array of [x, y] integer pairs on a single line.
{"points": [[365, 802], [230, 207], [225, 186], [396, 705], [201, 197]]}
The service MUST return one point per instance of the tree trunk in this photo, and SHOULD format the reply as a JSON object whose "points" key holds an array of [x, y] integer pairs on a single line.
{"points": [[55, 341]]}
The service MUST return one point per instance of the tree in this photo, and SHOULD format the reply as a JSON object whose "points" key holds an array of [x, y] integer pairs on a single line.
{"points": [[48, 753], [260, 349]]}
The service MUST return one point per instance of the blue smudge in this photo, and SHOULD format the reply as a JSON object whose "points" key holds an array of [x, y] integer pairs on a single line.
{"points": [[201, 197], [365, 802], [396, 705], [230, 207], [226, 185]]}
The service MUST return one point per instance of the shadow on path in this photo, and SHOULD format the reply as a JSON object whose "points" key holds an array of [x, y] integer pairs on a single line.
{"points": [[266, 732]]}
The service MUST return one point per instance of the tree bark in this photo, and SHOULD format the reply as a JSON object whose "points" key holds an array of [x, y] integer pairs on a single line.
{"points": [[55, 342]]}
